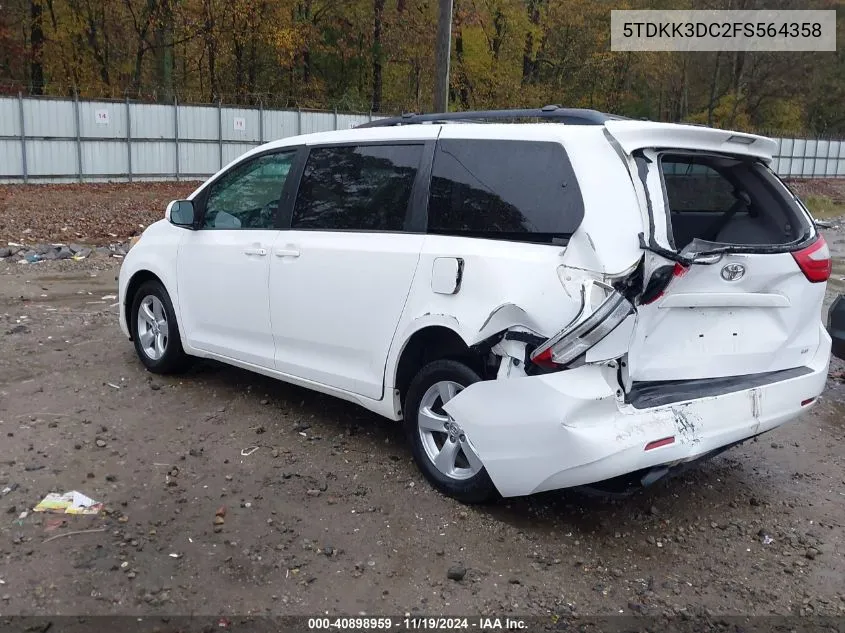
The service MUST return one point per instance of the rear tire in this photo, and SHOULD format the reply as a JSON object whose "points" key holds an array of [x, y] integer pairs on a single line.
{"points": [[155, 331], [440, 447]]}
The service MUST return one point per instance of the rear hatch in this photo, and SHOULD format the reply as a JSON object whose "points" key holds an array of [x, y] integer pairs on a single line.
{"points": [[733, 273]]}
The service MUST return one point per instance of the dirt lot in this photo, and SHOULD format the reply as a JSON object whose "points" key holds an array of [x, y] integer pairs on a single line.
{"points": [[330, 514], [93, 214]]}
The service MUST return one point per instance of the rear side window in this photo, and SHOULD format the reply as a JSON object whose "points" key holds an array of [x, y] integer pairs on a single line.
{"points": [[696, 187], [360, 188], [507, 190]]}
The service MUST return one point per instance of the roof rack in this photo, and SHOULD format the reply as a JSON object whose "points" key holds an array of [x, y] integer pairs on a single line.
{"points": [[570, 116]]}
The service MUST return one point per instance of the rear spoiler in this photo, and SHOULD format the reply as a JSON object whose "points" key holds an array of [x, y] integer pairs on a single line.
{"points": [[634, 135]]}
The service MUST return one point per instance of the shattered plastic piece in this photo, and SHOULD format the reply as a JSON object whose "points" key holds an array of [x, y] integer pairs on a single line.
{"points": [[768, 540], [246, 452], [68, 503]]}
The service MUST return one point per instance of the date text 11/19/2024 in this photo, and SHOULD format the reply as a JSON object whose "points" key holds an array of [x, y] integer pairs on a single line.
{"points": [[419, 623]]}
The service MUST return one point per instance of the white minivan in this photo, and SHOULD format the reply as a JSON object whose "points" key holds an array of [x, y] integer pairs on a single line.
{"points": [[547, 298]]}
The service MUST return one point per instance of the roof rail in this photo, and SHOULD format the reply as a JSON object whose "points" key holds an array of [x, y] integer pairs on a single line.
{"points": [[571, 116]]}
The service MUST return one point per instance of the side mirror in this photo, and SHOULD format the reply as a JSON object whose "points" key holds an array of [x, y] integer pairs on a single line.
{"points": [[181, 213]]}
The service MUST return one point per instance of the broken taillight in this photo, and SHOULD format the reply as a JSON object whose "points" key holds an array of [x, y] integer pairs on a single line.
{"points": [[659, 282], [574, 340], [814, 261]]}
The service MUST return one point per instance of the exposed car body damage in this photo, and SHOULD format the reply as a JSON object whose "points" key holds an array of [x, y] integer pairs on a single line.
{"points": [[570, 428]]}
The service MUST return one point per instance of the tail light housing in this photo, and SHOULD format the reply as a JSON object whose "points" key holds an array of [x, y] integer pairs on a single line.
{"points": [[660, 281], [575, 339], [814, 261]]}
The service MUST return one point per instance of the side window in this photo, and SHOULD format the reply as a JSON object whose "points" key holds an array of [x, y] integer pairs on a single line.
{"points": [[509, 190], [248, 195], [692, 186], [364, 188]]}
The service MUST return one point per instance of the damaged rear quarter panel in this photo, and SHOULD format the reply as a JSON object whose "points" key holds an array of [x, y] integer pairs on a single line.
{"points": [[541, 281]]}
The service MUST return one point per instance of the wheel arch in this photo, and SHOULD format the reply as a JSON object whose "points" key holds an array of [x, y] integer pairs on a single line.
{"points": [[427, 343], [138, 278]]}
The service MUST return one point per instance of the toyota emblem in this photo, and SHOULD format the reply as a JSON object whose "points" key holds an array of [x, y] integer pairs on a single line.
{"points": [[733, 272]]}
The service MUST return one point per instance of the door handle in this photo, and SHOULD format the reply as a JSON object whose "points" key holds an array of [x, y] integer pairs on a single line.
{"points": [[261, 252], [287, 252]]}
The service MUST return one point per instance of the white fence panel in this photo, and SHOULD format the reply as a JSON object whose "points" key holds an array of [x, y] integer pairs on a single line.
{"points": [[241, 125], [10, 117], [98, 119], [49, 117], [153, 121], [281, 124], [105, 158], [198, 122], [48, 158], [67, 140], [11, 161], [154, 159], [198, 160], [317, 122]]}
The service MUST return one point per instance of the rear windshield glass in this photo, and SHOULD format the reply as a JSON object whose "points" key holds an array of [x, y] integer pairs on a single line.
{"points": [[729, 201], [506, 190]]}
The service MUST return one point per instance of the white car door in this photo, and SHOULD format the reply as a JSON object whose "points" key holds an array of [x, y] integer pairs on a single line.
{"points": [[340, 276], [223, 267]]}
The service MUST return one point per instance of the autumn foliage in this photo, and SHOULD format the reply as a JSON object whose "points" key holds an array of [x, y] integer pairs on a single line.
{"points": [[378, 55]]}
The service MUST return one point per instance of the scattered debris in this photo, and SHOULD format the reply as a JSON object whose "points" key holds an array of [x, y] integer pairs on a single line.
{"points": [[68, 503], [175, 555], [456, 572], [219, 518], [114, 386], [72, 533], [246, 452]]}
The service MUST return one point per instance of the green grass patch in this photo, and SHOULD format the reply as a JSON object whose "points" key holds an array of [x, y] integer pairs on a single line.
{"points": [[823, 207]]}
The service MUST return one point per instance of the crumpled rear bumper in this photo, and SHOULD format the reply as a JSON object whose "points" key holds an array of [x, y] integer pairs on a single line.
{"points": [[569, 428]]}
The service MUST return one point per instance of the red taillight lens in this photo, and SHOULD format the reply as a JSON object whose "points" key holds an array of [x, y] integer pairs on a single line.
{"points": [[814, 261], [662, 283]]}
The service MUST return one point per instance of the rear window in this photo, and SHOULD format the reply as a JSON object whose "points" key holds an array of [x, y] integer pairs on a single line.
{"points": [[506, 190], [728, 200]]}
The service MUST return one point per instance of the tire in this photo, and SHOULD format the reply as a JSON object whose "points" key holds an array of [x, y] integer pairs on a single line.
{"points": [[460, 474], [157, 343]]}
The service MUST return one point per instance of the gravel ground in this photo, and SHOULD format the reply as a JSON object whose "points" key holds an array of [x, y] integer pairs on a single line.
{"points": [[95, 214], [330, 514]]}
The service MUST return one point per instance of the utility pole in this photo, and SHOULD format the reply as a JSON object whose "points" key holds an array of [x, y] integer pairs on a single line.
{"points": [[441, 59]]}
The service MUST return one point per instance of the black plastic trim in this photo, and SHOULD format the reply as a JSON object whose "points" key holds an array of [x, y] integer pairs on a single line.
{"points": [[836, 326], [644, 395]]}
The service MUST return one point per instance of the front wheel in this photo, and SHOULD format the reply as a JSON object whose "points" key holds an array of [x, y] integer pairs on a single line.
{"points": [[441, 448], [155, 331]]}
